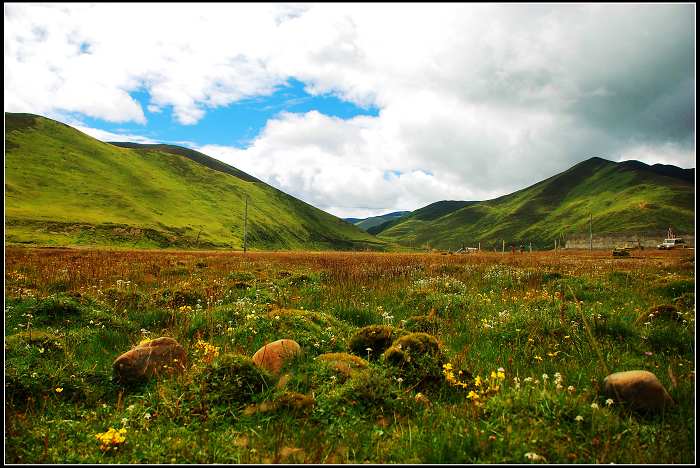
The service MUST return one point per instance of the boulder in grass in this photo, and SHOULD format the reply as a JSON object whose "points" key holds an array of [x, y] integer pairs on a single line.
{"points": [[640, 389], [274, 355], [161, 356]]}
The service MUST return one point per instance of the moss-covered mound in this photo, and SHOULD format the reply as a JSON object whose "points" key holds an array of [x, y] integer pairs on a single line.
{"points": [[417, 358], [44, 341], [344, 363], [373, 340], [316, 332], [233, 379]]}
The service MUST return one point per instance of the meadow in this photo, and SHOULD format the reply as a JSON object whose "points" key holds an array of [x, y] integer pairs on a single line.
{"points": [[524, 342]]}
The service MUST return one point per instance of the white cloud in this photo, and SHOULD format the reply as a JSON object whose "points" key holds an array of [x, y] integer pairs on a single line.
{"points": [[475, 100], [104, 135]]}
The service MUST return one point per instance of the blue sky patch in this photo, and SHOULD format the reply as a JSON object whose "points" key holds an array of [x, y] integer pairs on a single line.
{"points": [[236, 124]]}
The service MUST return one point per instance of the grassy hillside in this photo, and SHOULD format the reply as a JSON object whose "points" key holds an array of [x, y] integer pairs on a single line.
{"points": [[623, 197], [373, 221], [63, 187]]}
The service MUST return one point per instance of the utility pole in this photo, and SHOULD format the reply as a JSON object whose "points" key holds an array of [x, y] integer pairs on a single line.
{"points": [[245, 226], [590, 232]]}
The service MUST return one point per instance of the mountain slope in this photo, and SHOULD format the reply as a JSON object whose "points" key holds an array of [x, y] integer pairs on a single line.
{"points": [[623, 197], [63, 187], [373, 221]]}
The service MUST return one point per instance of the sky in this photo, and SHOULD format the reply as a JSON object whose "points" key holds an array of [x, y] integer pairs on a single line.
{"points": [[365, 109]]}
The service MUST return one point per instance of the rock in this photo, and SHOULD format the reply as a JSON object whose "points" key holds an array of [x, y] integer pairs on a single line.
{"points": [[274, 355], [638, 388], [159, 356]]}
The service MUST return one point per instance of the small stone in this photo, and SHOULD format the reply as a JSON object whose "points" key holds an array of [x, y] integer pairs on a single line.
{"points": [[274, 355], [159, 356], [638, 388]]}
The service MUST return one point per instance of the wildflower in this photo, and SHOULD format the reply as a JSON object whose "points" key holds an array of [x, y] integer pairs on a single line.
{"points": [[594, 405], [538, 358], [477, 381], [472, 395], [208, 351], [111, 439], [571, 388], [124, 421], [147, 416], [59, 389], [545, 377], [130, 407], [533, 456], [579, 418], [609, 401]]}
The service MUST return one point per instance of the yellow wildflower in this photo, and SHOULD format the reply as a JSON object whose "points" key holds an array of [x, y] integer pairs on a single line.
{"points": [[59, 389], [472, 395], [111, 439], [477, 381]]}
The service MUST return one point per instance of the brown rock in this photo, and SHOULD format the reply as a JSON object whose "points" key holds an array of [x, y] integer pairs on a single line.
{"points": [[638, 388], [156, 357], [273, 355]]}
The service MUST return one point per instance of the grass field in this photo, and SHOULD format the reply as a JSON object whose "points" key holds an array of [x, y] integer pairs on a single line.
{"points": [[530, 335]]}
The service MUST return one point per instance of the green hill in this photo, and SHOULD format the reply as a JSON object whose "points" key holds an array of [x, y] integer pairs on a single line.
{"points": [[63, 187], [623, 197]]}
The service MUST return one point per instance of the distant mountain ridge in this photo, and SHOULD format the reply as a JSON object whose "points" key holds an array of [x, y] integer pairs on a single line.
{"points": [[374, 221], [622, 197], [63, 187]]}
